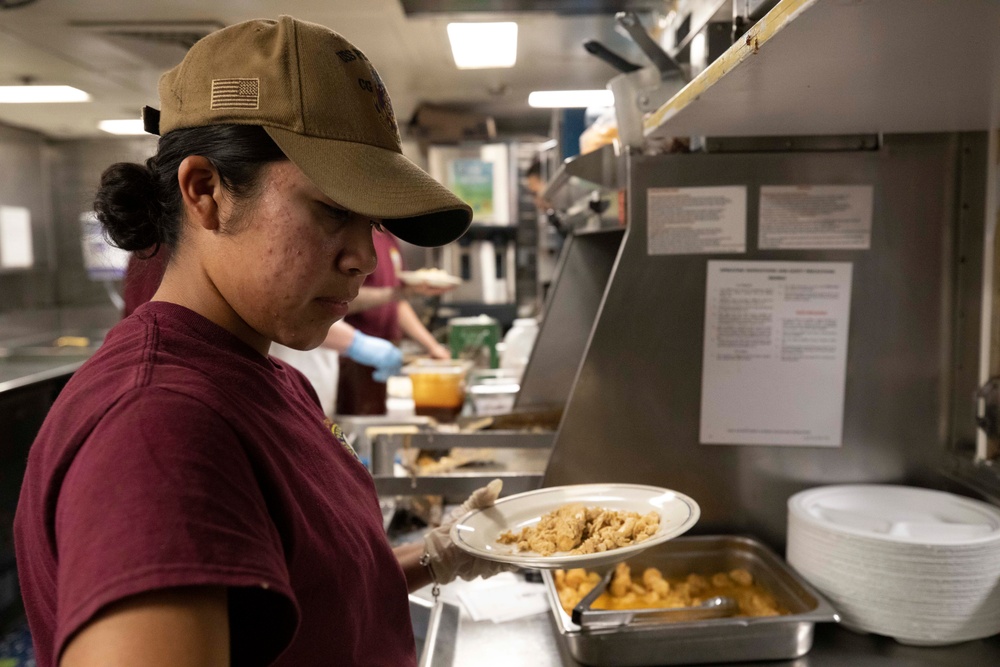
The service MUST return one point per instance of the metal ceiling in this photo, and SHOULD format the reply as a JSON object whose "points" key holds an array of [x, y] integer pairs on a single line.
{"points": [[565, 7], [117, 49]]}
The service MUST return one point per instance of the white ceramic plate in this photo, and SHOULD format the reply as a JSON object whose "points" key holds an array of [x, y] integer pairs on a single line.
{"points": [[431, 278], [477, 532]]}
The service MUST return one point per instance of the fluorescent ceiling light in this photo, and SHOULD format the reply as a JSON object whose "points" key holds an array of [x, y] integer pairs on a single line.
{"points": [[128, 126], [41, 94], [569, 99], [483, 45]]}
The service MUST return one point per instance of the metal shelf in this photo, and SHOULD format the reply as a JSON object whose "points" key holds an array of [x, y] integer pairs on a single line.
{"points": [[848, 67], [462, 482], [601, 167]]}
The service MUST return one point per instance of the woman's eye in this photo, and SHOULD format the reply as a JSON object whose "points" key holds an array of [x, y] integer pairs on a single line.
{"points": [[338, 214]]}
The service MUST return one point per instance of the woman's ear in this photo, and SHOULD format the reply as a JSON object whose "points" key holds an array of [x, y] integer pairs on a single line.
{"points": [[201, 190]]}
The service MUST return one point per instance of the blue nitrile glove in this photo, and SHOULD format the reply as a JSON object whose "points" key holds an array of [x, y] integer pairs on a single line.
{"points": [[377, 352]]}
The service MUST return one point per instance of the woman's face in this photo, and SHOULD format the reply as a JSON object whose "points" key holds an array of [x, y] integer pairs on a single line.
{"points": [[293, 259]]}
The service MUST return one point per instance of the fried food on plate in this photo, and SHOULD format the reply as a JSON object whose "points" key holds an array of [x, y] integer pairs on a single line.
{"points": [[577, 529]]}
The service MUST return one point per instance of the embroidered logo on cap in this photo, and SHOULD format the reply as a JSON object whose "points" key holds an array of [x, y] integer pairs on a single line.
{"points": [[383, 106], [235, 93]]}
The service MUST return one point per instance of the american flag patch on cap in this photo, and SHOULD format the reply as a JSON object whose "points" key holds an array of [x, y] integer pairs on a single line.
{"points": [[235, 93]]}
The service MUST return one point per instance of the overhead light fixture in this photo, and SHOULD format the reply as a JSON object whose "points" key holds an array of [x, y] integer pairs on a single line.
{"points": [[570, 99], [483, 45], [124, 126], [41, 94]]}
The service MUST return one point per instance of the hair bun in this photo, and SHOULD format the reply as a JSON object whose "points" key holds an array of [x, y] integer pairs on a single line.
{"points": [[128, 206]]}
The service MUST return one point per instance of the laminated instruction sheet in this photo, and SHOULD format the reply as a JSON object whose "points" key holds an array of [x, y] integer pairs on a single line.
{"points": [[816, 216], [775, 353], [702, 220]]}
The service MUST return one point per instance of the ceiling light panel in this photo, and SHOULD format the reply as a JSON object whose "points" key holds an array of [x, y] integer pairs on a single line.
{"points": [[483, 45], [570, 99], [122, 126], [41, 94]]}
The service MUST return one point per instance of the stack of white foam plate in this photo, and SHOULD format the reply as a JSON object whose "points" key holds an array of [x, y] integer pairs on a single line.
{"points": [[918, 565]]}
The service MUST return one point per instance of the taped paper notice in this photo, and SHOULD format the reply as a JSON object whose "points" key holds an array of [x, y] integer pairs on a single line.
{"points": [[692, 221], [775, 353], [815, 217]]}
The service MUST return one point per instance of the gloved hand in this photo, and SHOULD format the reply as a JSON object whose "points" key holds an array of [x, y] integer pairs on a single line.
{"points": [[377, 352], [447, 561]]}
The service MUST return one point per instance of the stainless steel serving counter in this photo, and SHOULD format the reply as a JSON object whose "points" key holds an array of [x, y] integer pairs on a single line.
{"points": [[534, 641], [17, 373]]}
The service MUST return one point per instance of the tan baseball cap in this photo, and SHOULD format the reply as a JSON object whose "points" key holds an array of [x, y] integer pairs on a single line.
{"points": [[324, 105]]}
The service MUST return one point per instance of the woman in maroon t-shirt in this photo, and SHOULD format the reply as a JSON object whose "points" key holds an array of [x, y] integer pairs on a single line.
{"points": [[186, 503], [381, 310]]}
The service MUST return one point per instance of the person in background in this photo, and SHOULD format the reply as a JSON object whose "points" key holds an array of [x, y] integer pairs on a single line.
{"points": [[382, 310], [536, 185], [186, 502], [321, 365]]}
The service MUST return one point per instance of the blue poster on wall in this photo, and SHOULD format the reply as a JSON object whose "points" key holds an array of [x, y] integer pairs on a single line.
{"points": [[472, 181]]}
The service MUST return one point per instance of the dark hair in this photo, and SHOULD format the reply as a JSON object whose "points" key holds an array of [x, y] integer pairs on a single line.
{"points": [[140, 206], [535, 169]]}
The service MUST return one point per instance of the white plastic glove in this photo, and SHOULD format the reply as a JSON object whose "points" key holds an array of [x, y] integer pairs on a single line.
{"points": [[447, 561], [377, 352]]}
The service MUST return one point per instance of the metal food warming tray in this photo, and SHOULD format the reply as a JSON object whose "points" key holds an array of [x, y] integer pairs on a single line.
{"points": [[717, 640]]}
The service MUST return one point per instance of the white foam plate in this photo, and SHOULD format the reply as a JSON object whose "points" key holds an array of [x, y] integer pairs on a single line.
{"points": [[477, 532], [919, 565], [431, 278], [902, 514]]}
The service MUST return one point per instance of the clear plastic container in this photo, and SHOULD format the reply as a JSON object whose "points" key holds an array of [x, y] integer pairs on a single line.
{"points": [[518, 343], [399, 397], [438, 387]]}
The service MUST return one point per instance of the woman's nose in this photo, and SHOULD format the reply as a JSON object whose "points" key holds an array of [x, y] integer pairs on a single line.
{"points": [[358, 255]]}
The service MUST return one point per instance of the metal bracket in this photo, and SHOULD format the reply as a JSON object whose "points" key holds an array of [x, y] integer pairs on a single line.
{"points": [[644, 90], [664, 62]]}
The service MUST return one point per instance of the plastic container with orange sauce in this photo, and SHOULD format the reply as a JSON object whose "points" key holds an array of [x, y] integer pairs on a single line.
{"points": [[438, 387]]}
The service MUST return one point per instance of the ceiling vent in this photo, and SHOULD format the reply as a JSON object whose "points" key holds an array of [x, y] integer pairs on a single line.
{"points": [[564, 7], [162, 44]]}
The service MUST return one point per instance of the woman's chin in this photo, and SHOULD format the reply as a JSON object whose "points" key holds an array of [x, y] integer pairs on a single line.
{"points": [[301, 341]]}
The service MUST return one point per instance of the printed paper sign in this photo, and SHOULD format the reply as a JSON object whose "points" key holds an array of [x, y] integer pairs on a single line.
{"points": [[775, 353], [815, 217], [692, 221], [16, 250]]}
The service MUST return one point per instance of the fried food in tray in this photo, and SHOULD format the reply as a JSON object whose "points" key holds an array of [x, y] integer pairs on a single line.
{"points": [[649, 589], [576, 529], [423, 462]]}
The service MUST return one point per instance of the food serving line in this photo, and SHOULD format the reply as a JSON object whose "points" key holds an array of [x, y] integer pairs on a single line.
{"points": [[621, 347]]}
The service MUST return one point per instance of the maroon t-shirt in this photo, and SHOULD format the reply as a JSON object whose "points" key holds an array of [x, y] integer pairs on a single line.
{"points": [[179, 456], [382, 321]]}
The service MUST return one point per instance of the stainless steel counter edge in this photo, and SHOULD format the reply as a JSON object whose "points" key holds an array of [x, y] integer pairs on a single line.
{"points": [[534, 640], [40, 376]]}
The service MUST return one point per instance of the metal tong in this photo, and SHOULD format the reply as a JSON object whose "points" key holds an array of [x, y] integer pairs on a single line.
{"points": [[587, 618]]}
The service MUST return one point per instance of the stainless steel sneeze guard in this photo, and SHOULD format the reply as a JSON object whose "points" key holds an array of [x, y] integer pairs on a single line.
{"points": [[720, 640], [912, 352]]}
